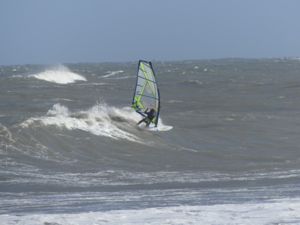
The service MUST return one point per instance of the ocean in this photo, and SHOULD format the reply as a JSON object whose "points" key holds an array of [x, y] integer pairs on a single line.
{"points": [[226, 150]]}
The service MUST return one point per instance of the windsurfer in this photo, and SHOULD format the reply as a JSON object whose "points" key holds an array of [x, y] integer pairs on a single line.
{"points": [[151, 114]]}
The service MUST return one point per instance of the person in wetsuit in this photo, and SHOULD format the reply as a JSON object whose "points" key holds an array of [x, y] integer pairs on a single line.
{"points": [[150, 116]]}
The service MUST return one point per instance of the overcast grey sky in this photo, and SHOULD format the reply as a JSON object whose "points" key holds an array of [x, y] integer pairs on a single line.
{"points": [[58, 31]]}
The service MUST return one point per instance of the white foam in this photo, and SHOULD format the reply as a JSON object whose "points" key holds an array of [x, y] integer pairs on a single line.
{"points": [[101, 119], [174, 101], [284, 211], [92, 84], [122, 77], [112, 73], [17, 76], [160, 126], [98, 120], [5, 134], [59, 75], [197, 82]]}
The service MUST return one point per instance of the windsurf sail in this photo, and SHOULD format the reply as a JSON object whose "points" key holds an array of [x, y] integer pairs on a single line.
{"points": [[146, 94]]}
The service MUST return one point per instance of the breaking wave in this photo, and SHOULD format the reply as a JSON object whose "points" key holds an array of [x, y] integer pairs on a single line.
{"points": [[59, 75], [283, 211], [101, 120]]}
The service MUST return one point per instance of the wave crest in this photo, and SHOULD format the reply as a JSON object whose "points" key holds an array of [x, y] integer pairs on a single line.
{"points": [[99, 120], [59, 75]]}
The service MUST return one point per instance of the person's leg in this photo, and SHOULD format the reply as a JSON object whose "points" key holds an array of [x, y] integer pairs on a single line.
{"points": [[142, 120], [147, 122]]}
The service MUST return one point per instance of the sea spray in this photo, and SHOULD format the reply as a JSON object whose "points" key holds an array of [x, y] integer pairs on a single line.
{"points": [[59, 75]]}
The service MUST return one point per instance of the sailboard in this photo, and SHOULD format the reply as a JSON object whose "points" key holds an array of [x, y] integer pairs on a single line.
{"points": [[146, 94]]}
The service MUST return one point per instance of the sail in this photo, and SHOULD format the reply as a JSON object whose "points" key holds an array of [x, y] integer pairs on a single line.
{"points": [[146, 94]]}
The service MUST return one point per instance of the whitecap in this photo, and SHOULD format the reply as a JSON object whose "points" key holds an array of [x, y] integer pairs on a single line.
{"points": [[59, 75], [98, 120], [112, 73]]}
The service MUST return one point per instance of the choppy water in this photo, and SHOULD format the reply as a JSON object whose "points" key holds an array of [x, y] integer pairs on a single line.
{"points": [[71, 153]]}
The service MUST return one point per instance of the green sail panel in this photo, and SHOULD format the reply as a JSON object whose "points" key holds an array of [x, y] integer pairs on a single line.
{"points": [[146, 94]]}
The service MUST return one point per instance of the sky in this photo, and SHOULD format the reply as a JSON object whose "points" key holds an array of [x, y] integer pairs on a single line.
{"points": [[71, 31]]}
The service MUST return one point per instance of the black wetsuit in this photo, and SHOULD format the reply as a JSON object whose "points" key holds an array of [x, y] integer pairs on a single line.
{"points": [[150, 116]]}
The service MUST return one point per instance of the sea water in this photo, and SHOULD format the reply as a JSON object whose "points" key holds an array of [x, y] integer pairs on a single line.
{"points": [[226, 150]]}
